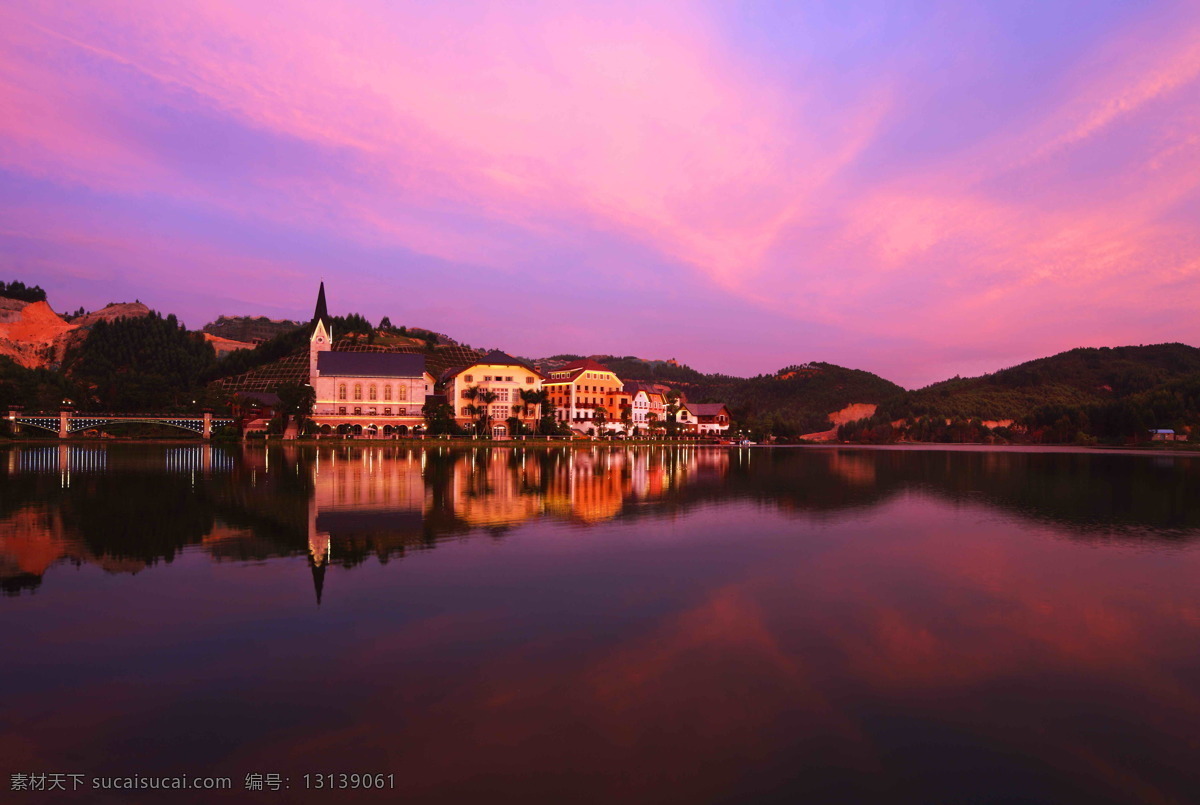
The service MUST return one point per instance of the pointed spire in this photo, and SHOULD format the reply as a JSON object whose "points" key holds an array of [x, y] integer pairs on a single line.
{"points": [[318, 573], [322, 312]]}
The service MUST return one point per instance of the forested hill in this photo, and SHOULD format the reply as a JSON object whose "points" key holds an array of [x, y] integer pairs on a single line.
{"points": [[795, 400], [1109, 394], [1073, 378]]}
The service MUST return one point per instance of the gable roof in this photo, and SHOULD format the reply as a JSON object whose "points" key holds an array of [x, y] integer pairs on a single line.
{"points": [[493, 358], [498, 358], [706, 409], [586, 364], [370, 364], [575, 369]]}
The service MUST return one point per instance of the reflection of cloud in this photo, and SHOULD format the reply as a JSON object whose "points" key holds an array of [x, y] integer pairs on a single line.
{"points": [[727, 648]]}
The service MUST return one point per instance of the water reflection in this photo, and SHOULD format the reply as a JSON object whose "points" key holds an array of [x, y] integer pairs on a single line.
{"points": [[126, 508], [609, 625]]}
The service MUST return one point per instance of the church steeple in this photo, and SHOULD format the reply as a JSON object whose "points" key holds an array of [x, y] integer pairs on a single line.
{"points": [[321, 339], [321, 314]]}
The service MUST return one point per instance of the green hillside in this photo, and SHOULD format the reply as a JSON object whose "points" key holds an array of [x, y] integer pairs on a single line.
{"points": [[793, 401], [1109, 394], [1076, 377]]}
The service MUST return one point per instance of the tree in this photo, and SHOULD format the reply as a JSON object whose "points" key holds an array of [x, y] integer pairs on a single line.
{"points": [[439, 417], [19, 290], [673, 407], [547, 422], [385, 324], [652, 422], [295, 400], [600, 416], [486, 397], [529, 399], [142, 363], [480, 407], [471, 394], [626, 419]]}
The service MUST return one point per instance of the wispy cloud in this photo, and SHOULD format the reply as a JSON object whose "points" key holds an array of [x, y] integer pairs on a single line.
{"points": [[823, 174]]}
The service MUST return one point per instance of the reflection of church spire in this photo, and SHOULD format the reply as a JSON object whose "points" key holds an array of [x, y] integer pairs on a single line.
{"points": [[318, 571], [319, 547], [318, 559]]}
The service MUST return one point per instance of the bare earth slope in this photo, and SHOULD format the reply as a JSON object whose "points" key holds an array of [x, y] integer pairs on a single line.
{"points": [[851, 413], [34, 336]]}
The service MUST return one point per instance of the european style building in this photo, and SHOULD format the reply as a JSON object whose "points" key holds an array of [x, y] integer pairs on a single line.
{"points": [[495, 389], [364, 393]]}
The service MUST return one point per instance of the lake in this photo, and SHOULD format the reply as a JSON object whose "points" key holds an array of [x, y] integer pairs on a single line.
{"points": [[601, 625]]}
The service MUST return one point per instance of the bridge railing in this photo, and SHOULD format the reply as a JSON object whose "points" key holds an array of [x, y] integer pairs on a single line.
{"points": [[113, 415]]}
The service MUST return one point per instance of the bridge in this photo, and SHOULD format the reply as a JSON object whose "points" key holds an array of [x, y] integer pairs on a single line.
{"points": [[68, 421]]}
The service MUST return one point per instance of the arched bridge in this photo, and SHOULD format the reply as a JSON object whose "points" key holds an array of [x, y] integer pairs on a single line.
{"points": [[64, 423]]}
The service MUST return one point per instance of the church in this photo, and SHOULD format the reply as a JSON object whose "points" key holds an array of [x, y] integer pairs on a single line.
{"points": [[364, 393]]}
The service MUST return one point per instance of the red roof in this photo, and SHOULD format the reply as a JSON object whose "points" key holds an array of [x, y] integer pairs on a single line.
{"points": [[706, 409], [586, 364], [575, 369]]}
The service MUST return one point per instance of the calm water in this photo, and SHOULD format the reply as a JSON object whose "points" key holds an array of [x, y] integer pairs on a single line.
{"points": [[617, 625]]}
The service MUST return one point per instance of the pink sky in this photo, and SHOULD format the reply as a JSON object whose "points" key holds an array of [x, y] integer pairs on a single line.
{"points": [[920, 189]]}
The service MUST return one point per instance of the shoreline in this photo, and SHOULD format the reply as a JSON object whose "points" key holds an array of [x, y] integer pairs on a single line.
{"points": [[1142, 449]]}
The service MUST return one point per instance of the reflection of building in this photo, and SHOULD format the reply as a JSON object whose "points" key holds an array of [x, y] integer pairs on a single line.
{"points": [[338, 505], [496, 383], [364, 393], [496, 488], [589, 486]]}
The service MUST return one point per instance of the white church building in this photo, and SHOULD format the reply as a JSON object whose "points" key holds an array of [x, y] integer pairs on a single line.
{"points": [[364, 393]]}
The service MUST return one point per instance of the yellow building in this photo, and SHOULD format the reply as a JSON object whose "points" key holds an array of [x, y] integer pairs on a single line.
{"points": [[497, 383]]}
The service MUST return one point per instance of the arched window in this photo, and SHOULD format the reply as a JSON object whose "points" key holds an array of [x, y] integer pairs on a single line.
{"points": [[358, 391], [372, 392], [387, 392], [403, 392], [341, 391]]}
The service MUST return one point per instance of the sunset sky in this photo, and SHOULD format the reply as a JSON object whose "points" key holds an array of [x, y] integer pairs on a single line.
{"points": [[919, 189]]}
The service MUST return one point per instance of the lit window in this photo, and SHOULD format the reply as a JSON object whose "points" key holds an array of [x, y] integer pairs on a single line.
{"points": [[357, 411], [387, 411], [403, 393], [342, 392], [466, 411], [372, 392], [387, 392], [358, 391], [341, 409]]}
